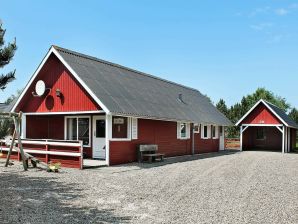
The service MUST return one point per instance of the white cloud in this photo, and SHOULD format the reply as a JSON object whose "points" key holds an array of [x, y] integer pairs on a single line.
{"points": [[261, 26], [281, 11], [259, 11]]}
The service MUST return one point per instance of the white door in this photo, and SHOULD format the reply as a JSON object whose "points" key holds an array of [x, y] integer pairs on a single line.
{"points": [[99, 137], [222, 138]]}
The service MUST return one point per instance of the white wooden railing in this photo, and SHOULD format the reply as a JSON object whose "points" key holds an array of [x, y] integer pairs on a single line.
{"points": [[48, 147]]}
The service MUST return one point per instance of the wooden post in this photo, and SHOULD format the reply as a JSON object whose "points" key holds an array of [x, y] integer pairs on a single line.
{"points": [[81, 157], [16, 123], [283, 139], [286, 140], [10, 148], [241, 128], [47, 155], [289, 139], [193, 139]]}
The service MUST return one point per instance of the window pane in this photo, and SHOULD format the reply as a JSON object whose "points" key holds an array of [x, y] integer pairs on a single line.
{"points": [[183, 130], [84, 130], [260, 134], [119, 127], [72, 129], [100, 129], [197, 128], [213, 131], [205, 132]]}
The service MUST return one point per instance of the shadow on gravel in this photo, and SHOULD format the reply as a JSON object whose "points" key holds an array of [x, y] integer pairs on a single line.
{"points": [[179, 159], [25, 199]]}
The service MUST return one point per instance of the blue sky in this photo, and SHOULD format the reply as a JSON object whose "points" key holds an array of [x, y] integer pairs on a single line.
{"points": [[225, 49]]}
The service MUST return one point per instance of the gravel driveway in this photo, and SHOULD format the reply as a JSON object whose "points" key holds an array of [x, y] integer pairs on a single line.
{"points": [[246, 187]]}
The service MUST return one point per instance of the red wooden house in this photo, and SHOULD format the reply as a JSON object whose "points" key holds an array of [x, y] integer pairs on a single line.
{"points": [[112, 109], [267, 127]]}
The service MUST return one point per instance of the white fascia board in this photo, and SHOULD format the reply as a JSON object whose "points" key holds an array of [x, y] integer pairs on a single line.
{"points": [[248, 112], [56, 53], [261, 101], [275, 113], [32, 79], [66, 112], [80, 81]]}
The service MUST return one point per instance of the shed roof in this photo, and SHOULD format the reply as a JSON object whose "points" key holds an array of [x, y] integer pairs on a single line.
{"points": [[278, 112], [127, 92]]}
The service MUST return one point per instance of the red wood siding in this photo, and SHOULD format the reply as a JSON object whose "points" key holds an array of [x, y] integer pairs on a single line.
{"points": [[49, 127], [273, 140], [205, 145], [56, 76], [45, 127], [261, 115], [293, 138], [162, 133]]}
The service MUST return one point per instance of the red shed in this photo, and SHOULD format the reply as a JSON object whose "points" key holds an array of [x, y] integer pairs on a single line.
{"points": [[112, 109], [266, 126]]}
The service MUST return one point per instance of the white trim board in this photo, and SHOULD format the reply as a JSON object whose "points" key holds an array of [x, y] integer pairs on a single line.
{"points": [[251, 109], [82, 83], [65, 113], [262, 125]]}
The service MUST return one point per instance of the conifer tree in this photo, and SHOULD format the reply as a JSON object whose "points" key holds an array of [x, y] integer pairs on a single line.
{"points": [[7, 52]]}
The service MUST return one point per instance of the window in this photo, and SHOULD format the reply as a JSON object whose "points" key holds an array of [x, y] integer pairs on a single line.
{"points": [[183, 130], [206, 131], [196, 128], [120, 127], [100, 129], [214, 132], [78, 128], [261, 134]]}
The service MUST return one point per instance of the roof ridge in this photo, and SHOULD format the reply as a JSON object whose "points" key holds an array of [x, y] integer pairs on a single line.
{"points": [[272, 104], [120, 66]]}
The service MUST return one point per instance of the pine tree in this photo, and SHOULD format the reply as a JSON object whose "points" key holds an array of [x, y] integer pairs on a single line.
{"points": [[294, 114], [222, 107], [6, 54]]}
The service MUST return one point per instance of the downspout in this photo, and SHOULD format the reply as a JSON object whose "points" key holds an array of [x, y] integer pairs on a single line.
{"points": [[193, 139]]}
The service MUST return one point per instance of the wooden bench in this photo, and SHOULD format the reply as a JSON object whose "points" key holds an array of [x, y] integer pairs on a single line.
{"points": [[149, 152]]}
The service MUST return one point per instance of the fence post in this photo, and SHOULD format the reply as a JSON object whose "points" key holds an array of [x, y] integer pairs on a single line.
{"points": [[81, 157], [47, 149]]}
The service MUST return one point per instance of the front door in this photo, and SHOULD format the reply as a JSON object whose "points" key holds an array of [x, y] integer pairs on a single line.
{"points": [[221, 138], [99, 137]]}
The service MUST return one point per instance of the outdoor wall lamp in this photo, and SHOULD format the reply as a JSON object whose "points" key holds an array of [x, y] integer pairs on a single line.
{"points": [[58, 93]]}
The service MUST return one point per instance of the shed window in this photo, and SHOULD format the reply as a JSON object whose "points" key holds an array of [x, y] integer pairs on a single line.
{"points": [[261, 134], [120, 127], [78, 128]]}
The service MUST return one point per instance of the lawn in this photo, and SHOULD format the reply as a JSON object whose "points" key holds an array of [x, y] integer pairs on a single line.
{"points": [[243, 187]]}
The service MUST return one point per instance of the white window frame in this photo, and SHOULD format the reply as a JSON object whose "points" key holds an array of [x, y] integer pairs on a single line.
{"points": [[198, 131], [187, 134], [77, 117], [216, 131], [110, 125], [208, 131]]}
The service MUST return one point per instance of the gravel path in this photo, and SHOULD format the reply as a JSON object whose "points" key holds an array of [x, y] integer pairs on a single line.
{"points": [[247, 187]]}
